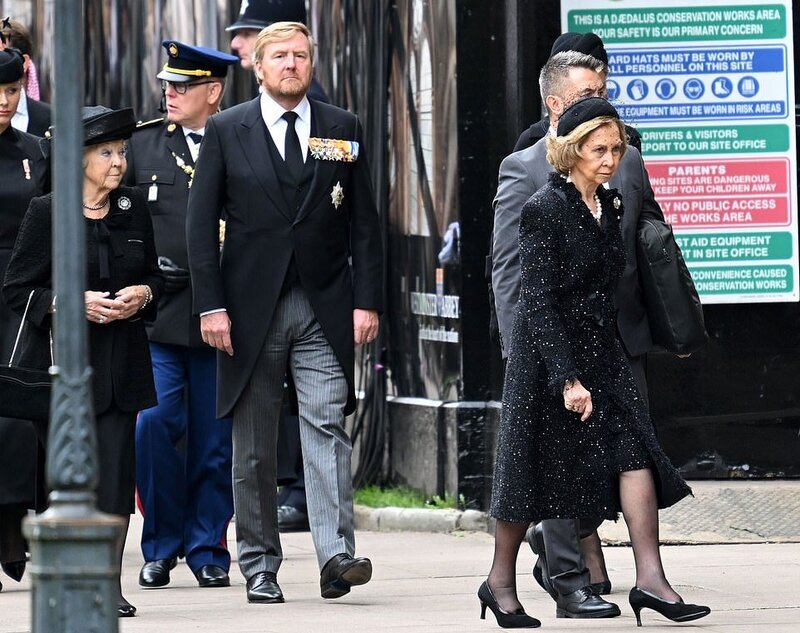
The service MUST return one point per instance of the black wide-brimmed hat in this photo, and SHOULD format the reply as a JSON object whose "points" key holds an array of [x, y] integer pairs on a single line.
{"points": [[101, 124], [587, 43], [582, 111], [256, 14], [11, 68]]}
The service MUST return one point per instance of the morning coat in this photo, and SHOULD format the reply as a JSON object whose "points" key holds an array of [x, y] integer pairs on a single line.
{"points": [[335, 241]]}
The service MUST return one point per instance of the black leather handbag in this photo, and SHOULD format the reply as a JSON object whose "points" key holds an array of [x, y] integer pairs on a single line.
{"points": [[673, 306], [25, 392]]}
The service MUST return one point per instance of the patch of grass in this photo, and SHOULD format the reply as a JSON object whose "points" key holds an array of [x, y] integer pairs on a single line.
{"points": [[403, 497]]}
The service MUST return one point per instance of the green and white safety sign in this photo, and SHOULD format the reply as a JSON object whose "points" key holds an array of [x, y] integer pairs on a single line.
{"points": [[709, 84]]}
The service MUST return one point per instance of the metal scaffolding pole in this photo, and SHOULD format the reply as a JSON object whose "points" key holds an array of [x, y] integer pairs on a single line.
{"points": [[74, 566]]}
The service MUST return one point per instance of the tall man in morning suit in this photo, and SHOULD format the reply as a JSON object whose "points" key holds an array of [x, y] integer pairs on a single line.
{"points": [[565, 78], [299, 281], [183, 452], [255, 15]]}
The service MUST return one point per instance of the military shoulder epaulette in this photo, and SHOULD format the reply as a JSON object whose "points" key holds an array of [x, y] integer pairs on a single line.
{"points": [[141, 125]]}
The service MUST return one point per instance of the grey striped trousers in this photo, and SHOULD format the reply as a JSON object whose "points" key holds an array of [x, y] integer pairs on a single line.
{"points": [[294, 336]]}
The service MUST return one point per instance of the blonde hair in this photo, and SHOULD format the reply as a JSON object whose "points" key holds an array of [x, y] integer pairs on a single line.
{"points": [[563, 152], [280, 32]]}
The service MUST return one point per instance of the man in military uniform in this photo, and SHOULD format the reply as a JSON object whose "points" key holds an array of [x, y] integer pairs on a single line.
{"points": [[183, 452]]}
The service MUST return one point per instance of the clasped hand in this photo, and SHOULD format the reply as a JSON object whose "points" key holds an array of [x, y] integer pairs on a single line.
{"points": [[102, 308], [578, 399]]}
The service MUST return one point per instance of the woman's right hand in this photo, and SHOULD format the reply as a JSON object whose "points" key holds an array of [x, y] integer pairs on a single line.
{"points": [[100, 308], [578, 399]]}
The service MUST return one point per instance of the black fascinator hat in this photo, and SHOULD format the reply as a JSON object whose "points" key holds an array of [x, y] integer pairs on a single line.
{"points": [[11, 68], [582, 111]]}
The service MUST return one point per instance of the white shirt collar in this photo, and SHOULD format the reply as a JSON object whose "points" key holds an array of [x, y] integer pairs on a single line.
{"points": [[21, 118], [272, 111], [22, 108], [187, 131]]}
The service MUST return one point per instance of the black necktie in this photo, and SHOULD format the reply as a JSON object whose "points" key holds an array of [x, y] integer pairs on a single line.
{"points": [[196, 138], [292, 154]]}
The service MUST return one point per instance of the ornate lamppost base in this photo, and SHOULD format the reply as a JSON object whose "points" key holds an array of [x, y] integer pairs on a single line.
{"points": [[74, 567]]}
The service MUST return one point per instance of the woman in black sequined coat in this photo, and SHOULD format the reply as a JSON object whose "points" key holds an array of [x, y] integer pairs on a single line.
{"points": [[575, 438]]}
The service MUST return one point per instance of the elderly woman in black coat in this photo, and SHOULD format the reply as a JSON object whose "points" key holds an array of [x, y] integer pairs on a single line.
{"points": [[575, 438], [124, 284]]}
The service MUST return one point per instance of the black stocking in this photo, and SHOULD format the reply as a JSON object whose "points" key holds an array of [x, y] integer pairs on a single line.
{"points": [[638, 497], [120, 546], [502, 578], [12, 543], [593, 558]]}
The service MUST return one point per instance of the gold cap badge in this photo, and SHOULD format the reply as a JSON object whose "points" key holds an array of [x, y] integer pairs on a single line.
{"points": [[173, 50]]}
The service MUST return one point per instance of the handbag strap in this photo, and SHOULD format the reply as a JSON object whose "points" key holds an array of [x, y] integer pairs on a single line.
{"points": [[19, 332]]}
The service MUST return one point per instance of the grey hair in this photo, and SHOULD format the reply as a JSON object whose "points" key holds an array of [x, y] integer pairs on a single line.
{"points": [[556, 70]]}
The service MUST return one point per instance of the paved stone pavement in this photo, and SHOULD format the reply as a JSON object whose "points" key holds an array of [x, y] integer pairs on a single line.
{"points": [[426, 583]]}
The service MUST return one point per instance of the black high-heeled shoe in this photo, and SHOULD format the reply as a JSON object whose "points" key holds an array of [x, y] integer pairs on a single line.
{"points": [[676, 611], [516, 620], [14, 569], [125, 609]]}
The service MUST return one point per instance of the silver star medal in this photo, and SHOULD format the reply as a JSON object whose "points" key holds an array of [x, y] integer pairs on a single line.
{"points": [[337, 194]]}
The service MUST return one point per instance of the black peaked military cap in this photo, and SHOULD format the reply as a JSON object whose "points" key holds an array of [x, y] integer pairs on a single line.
{"points": [[185, 63], [10, 66], [256, 14], [587, 43], [582, 111]]}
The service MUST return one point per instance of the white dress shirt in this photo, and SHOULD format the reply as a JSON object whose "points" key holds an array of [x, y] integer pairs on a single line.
{"points": [[194, 148], [21, 118], [272, 113]]}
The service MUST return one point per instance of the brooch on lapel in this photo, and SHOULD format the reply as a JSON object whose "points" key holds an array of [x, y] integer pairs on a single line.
{"points": [[337, 194], [333, 149], [616, 202], [124, 203]]}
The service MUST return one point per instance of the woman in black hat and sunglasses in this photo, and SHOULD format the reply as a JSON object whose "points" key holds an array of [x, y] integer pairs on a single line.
{"points": [[23, 175], [124, 285]]}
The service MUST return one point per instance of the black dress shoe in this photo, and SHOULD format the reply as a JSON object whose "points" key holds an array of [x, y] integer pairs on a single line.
{"points": [[212, 576], [342, 572], [125, 609], [541, 574], [14, 570], [155, 573], [263, 588], [290, 519], [584, 603]]}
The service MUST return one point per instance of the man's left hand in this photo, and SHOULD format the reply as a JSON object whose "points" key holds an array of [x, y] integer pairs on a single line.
{"points": [[365, 326]]}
